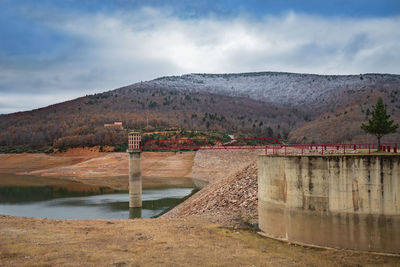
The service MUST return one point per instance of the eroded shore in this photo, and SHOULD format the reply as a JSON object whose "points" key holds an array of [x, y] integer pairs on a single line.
{"points": [[86, 169]]}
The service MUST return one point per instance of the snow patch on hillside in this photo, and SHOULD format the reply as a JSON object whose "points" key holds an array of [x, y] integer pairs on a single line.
{"points": [[276, 87]]}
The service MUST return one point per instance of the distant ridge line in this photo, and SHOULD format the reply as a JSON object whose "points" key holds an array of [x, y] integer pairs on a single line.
{"points": [[264, 73]]}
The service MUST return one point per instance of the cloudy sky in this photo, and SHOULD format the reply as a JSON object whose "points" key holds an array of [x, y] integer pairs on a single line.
{"points": [[54, 50]]}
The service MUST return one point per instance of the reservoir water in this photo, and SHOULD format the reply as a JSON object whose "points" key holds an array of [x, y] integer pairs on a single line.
{"points": [[42, 202]]}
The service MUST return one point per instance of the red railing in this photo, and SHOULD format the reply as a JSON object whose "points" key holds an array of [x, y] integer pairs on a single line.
{"points": [[329, 149], [185, 144], [271, 146]]}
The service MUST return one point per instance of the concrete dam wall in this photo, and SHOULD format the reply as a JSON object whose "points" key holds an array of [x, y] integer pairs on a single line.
{"points": [[350, 201]]}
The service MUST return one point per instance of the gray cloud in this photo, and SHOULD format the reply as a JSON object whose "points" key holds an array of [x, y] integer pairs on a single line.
{"points": [[120, 49]]}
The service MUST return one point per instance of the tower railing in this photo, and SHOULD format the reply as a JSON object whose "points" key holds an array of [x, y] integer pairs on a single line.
{"points": [[331, 149]]}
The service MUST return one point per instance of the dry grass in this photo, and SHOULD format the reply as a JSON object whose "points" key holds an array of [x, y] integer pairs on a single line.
{"points": [[187, 241]]}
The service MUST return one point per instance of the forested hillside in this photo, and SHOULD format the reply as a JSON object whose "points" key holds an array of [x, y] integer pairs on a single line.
{"points": [[323, 109], [80, 122]]}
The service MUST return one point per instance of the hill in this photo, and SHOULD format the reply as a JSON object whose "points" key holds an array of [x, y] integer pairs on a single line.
{"points": [[294, 107]]}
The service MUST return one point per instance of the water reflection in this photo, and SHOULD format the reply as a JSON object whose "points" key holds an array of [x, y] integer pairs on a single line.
{"points": [[45, 202], [20, 194], [135, 213]]}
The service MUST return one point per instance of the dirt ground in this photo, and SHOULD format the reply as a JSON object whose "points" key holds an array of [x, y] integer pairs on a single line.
{"points": [[179, 238], [187, 241]]}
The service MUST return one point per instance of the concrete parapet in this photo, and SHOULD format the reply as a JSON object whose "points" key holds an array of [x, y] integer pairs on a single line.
{"points": [[350, 201]]}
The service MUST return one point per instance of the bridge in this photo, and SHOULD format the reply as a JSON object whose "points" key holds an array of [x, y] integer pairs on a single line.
{"points": [[270, 145]]}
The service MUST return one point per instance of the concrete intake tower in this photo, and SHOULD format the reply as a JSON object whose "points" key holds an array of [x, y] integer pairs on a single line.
{"points": [[135, 172]]}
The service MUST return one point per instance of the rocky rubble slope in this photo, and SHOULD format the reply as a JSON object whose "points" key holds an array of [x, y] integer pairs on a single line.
{"points": [[229, 200]]}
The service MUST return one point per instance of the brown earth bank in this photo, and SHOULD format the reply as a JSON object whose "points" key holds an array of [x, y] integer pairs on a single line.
{"points": [[90, 167]]}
